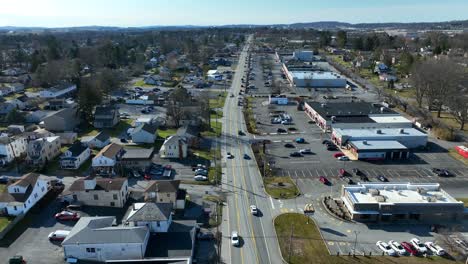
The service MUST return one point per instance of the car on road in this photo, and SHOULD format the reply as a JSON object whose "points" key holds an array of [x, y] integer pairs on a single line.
{"points": [[200, 178], [67, 216], [409, 248], [420, 247], [247, 157], [289, 145], [305, 151], [397, 247], [295, 154], [300, 140], [58, 235], [324, 180], [385, 248], [441, 172], [382, 178], [235, 240], [229, 155], [253, 209], [4, 179], [281, 130], [240, 133], [435, 249], [343, 158], [338, 154]]}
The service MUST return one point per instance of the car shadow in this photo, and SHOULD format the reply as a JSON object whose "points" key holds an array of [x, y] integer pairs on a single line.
{"points": [[334, 232]]}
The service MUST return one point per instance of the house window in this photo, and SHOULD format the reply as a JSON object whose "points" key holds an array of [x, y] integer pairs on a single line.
{"points": [[115, 196], [14, 207], [158, 223], [96, 197], [75, 197], [25, 205], [42, 189], [90, 250], [112, 204], [35, 195]]}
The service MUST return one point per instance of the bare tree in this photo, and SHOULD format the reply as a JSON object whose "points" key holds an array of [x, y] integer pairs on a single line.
{"points": [[458, 107]]}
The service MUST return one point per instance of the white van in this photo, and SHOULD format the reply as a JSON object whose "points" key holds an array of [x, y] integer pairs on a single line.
{"points": [[58, 235]]}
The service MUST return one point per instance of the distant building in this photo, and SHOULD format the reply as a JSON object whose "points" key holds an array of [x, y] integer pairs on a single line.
{"points": [[64, 120], [11, 148], [61, 90], [75, 156], [393, 202], [165, 192], [316, 79], [98, 141], [174, 147], [304, 55], [106, 117], [144, 133]]}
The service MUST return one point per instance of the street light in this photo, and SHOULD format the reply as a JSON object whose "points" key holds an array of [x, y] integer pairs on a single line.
{"points": [[355, 241]]}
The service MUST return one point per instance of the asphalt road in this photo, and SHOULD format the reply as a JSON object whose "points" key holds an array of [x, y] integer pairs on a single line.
{"points": [[242, 181]]}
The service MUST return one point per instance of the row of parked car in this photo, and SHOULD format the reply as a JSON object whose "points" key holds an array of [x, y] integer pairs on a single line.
{"points": [[414, 247]]}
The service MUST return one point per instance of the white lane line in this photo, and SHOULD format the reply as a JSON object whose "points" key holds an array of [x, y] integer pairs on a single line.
{"points": [[272, 203], [317, 173], [310, 173], [303, 174], [324, 173], [295, 173]]}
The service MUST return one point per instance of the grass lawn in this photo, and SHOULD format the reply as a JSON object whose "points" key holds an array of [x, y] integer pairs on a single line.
{"points": [[464, 200], [215, 129], [2, 187], [457, 156], [142, 83], [167, 132], [4, 221], [307, 245], [219, 101], [122, 126], [449, 120], [286, 190]]}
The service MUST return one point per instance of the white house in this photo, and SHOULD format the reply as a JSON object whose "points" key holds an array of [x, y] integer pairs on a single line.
{"points": [[104, 162], [97, 191], [75, 155], [43, 150], [214, 75], [98, 141], [23, 194], [11, 147], [98, 239], [144, 133], [175, 147], [60, 90], [156, 216]]}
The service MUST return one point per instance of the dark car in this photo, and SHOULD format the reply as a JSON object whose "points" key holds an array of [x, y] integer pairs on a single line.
{"points": [[295, 154], [356, 171], [288, 145], [247, 157], [364, 178], [343, 172], [331, 147], [281, 130], [349, 181], [326, 141], [241, 133], [382, 178], [4, 179], [441, 172], [123, 140], [324, 180]]}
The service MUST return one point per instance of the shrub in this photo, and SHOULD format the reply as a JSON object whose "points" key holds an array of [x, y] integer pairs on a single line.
{"points": [[444, 133]]}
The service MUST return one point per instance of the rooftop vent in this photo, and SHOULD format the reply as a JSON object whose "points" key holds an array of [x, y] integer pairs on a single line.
{"points": [[364, 142], [374, 192], [380, 198], [378, 131], [323, 105], [421, 190], [402, 131]]}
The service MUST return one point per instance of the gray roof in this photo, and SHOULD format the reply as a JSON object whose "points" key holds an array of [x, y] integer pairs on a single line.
{"points": [[99, 230], [102, 136], [77, 148], [145, 127], [152, 212], [138, 153]]}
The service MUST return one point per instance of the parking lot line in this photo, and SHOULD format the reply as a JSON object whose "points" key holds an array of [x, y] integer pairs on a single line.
{"points": [[310, 173], [317, 172], [333, 172], [374, 172], [303, 174], [295, 173], [324, 173]]}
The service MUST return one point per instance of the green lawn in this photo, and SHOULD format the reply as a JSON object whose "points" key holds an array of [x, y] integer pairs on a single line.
{"points": [[167, 132], [142, 83], [464, 200], [449, 120], [4, 221], [219, 101], [215, 129], [122, 126], [307, 245], [280, 187]]}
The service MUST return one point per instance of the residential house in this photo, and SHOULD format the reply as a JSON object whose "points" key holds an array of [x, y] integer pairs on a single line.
{"points": [[43, 150], [61, 90], [23, 194], [38, 133], [174, 147], [57, 103], [105, 161], [75, 155], [106, 117], [165, 192], [137, 158], [156, 216], [153, 80], [66, 119], [67, 138], [96, 191], [98, 239], [15, 129], [191, 134], [381, 68], [20, 102], [11, 148], [5, 90], [98, 141], [6, 108], [145, 133]]}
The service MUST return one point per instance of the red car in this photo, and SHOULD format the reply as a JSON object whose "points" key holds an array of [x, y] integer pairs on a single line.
{"points": [[338, 154], [343, 172], [324, 180], [67, 216], [147, 177], [410, 248]]}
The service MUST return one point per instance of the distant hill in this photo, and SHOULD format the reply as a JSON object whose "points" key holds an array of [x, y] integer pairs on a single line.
{"points": [[463, 24]]}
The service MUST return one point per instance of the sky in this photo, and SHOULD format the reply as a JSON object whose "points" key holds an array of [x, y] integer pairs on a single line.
{"points": [[130, 13]]}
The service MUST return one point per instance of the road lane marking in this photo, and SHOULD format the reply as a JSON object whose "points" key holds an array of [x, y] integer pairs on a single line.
{"points": [[272, 203]]}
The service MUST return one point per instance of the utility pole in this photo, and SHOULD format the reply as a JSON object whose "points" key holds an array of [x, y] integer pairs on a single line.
{"points": [[355, 241], [290, 243]]}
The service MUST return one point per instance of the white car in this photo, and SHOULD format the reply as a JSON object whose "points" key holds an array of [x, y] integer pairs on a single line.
{"points": [[397, 247], [200, 178], [418, 245], [254, 209], [343, 158], [436, 249], [385, 248], [461, 243], [235, 238]]}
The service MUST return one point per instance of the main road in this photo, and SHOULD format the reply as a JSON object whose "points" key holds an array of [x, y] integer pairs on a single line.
{"points": [[243, 184]]}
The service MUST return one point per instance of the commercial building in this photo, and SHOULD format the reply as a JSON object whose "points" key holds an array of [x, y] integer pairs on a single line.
{"points": [[389, 202], [316, 79]]}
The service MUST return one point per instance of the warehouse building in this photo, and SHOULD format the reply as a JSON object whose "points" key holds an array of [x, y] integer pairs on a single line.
{"points": [[316, 79], [393, 202], [409, 137]]}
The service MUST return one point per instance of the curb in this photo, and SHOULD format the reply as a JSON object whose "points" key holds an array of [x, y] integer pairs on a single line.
{"points": [[333, 215]]}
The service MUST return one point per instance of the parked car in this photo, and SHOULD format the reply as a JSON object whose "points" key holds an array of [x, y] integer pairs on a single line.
{"points": [[409, 248], [364, 178], [67, 216], [441, 172], [435, 249], [235, 240], [205, 236], [253, 209], [461, 243], [288, 145], [397, 247], [295, 154], [382, 178], [281, 130], [201, 172], [324, 180], [300, 140], [338, 154], [349, 181], [305, 151], [343, 158], [385, 248], [58, 235], [147, 177], [4, 179], [343, 172], [356, 171], [420, 247], [123, 140], [247, 157], [200, 178], [332, 148], [17, 260]]}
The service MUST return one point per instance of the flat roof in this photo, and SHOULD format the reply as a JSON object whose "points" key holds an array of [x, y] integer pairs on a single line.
{"points": [[380, 132], [377, 144], [394, 193], [315, 75], [389, 119], [349, 109]]}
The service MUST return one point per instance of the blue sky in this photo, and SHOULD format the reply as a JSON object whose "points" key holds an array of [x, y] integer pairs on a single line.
{"points": [[64, 13]]}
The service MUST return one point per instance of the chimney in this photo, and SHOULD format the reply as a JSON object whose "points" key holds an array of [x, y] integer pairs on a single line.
{"points": [[90, 183]]}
